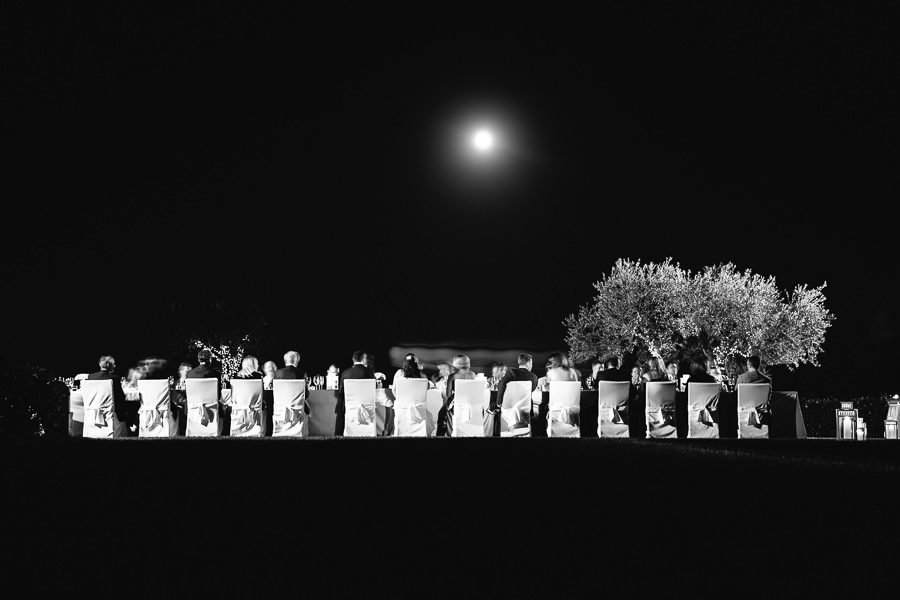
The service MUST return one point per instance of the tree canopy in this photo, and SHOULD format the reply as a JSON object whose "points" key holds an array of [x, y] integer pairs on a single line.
{"points": [[665, 311]]}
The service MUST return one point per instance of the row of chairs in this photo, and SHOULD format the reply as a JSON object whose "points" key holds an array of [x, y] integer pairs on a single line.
{"points": [[413, 416]]}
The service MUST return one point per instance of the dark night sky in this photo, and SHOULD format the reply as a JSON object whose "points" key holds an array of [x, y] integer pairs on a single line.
{"points": [[222, 145]]}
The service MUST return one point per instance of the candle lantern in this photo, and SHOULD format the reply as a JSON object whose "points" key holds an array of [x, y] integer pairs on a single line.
{"points": [[893, 415], [890, 429], [861, 429], [846, 417]]}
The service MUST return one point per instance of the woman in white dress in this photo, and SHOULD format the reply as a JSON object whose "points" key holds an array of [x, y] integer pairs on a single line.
{"points": [[411, 369], [560, 369]]}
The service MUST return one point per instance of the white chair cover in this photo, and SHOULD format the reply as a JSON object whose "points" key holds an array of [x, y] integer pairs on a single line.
{"points": [[702, 399], [202, 396], [434, 402], [155, 416], [100, 419], [752, 402], [76, 407], [612, 402], [470, 398], [289, 408], [659, 410], [563, 409], [384, 410], [515, 412], [246, 407], [359, 408], [411, 416]]}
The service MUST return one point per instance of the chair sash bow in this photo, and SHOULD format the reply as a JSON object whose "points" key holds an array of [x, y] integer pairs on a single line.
{"points": [[515, 415], [150, 418], [98, 415], [754, 415], [412, 412], [292, 414], [467, 412], [565, 414], [363, 416], [244, 416], [205, 412], [611, 414]]}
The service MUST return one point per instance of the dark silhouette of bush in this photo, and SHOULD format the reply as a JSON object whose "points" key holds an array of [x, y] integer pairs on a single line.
{"points": [[819, 414], [32, 403]]}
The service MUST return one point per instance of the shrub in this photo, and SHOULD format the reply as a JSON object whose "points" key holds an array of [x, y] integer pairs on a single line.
{"points": [[32, 402]]}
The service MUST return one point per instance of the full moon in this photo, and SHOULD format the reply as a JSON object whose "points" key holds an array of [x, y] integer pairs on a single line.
{"points": [[483, 140]]}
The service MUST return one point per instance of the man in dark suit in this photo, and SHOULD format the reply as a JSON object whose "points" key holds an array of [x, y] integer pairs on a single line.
{"points": [[359, 370], [520, 373], [107, 371], [612, 371], [292, 370], [203, 371]]}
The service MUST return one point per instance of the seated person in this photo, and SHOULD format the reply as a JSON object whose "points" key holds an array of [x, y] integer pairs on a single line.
{"points": [[752, 375], [411, 369], [463, 370], [249, 368], [591, 382], [560, 369], [269, 368], [611, 372], [698, 371], [655, 372], [498, 370]]}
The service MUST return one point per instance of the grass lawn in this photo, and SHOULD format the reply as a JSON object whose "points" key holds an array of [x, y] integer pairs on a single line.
{"points": [[795, 507]]}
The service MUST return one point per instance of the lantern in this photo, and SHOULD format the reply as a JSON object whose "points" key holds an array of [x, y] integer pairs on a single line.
{"points": [[893, 415], [846, 417], [890, 429]]}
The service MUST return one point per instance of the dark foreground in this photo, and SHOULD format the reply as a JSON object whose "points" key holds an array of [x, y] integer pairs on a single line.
{"points": [[626, 514]]}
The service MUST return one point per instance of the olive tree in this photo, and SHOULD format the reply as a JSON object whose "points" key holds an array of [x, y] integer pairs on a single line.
{"points": [[665, 311]]}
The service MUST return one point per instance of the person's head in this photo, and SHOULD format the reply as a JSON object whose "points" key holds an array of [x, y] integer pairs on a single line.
{"points": [[269, 367], [204, 357], [134, 373], [611, 362], [753, 363], [559, 359], [444, 370], [596, 365], [250, 364], [183, 368], [107, 363], [655, 368], [291, 358], [672, 369], [698, 365], [635, 374], [525, 361], [359, 357], [410, 366], [498, 370], [461, 362]]}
